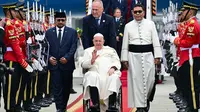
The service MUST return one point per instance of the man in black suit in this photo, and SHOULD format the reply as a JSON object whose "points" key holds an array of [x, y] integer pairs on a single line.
{"points": [[107, 6], [98, 22], [122, 5], [63, 44], [120, 24], [2, 33]]}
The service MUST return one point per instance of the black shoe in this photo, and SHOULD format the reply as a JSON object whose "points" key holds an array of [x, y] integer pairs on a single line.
{"points": [[185, 110], [52, 99], [47, 100], [36, 106], [141, 110], [31, 109], [11, 110], [112, 109], [72, 91], [181, 106], [19, 109], [95, 108], [41, 104]]}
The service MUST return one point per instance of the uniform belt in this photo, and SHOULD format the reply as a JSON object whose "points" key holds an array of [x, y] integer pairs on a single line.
{"points": [[9, 49], [194, 46], [140, 48]]}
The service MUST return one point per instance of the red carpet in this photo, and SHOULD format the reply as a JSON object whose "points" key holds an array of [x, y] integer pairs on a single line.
{"points": [[77, 105]]}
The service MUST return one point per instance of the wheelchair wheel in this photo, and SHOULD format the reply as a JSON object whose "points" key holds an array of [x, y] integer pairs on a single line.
{"points": [[119, 100], [86, 106]]}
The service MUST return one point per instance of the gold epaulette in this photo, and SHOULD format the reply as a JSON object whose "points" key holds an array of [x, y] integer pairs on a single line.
{"points": [[8, 23], [192, 21], [16, 22], [24, 22]]}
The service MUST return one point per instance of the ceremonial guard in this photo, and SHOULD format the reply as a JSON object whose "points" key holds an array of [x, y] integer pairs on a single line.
{"points": [[13, 57], [188, 41]]}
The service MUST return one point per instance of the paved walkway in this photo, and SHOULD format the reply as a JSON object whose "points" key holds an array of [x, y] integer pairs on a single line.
{"points": [[161, 102]]}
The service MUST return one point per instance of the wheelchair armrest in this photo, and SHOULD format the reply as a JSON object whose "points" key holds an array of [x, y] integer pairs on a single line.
{"points": [[85, 70]]}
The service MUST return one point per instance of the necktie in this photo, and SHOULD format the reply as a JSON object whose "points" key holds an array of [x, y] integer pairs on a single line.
{"points": [[97, 21], [59, 35]]}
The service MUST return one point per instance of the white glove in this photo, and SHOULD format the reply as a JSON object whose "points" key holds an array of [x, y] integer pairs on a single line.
{"points": [[37, 37], [42, 37], [37, 65], [43, 63], [172, 38], [34, 67], [29, 41], [29, 69]]}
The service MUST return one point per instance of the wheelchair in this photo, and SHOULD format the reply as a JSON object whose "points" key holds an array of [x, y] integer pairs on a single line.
{"points": [[87, 103]]}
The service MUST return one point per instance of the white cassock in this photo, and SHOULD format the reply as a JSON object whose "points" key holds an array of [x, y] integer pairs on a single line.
{"points": [[97, 75], [141, 72]]}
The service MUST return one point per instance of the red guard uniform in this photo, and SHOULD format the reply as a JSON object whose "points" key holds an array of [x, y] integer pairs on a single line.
{"points": [[189, 38], [11, 40]]}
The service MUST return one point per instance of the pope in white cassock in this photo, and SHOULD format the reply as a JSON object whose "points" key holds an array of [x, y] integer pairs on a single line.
{"points": [[102, 80], [141, 50]]}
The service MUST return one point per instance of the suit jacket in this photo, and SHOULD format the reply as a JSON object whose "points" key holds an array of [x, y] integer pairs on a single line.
{"points": [[123, 6], [106, 27], [2, 34], [107, 6], [2, 46], [65, 49], [120, 27]]}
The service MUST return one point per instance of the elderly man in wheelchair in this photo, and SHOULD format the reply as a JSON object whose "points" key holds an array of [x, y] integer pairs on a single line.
{"points": [[102, 80]]}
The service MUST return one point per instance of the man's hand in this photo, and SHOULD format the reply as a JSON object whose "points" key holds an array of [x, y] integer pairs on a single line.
{"points": [[63, 60], [94, 56], [125, 64], [117, 38], [53, 60], [157, 61], [111, 71], [2, 22]]}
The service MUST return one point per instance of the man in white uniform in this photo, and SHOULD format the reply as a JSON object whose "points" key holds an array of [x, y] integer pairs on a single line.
{"points": [[102, 81], [141, 50]]}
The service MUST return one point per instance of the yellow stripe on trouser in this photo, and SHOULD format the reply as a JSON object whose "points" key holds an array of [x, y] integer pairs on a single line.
{"points": [[25, 92], [191, 61], [17, 94], [192, 87], [48, 81], [31, 88], [36, 81], [9, 86]]}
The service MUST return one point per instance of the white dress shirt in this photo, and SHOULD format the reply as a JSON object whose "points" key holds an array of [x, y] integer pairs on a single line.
{"points": [[62, 31], [99, 21]]}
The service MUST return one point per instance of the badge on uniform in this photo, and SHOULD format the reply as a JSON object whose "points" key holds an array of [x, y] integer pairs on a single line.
{"points": [[19, 29], [11, 32], [191, 28]]}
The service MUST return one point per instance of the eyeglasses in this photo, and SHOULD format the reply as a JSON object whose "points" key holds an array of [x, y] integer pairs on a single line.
{"points": [[137, 12], [60, 20]]}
